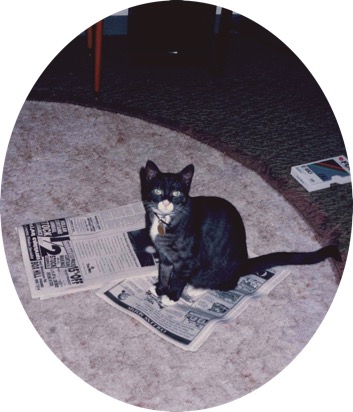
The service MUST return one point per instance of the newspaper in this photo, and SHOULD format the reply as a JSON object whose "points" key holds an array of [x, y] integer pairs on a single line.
{"points": [[73, 254], [112, 251], [188, 322]]}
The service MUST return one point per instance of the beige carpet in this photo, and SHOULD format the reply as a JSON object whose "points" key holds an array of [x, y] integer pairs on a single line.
{"points": [[67, 160]]}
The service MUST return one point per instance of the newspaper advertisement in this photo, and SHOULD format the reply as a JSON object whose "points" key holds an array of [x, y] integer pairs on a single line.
{"points": [[72, 254], [188, 322]]}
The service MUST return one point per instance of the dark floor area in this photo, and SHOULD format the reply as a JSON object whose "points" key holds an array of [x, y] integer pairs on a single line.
{"points": [[263, 108]]}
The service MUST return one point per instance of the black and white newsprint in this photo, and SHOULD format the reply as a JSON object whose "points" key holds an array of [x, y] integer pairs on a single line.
{"points": [[188, 322], [72, 254], [111, 251]]}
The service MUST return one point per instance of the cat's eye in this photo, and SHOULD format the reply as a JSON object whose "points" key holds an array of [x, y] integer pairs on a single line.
{"points": [[158, 191], [176, 193]]}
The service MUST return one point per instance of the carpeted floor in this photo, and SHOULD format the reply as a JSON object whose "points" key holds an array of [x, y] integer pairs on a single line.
{"points": [[67, 160], [264, 109]]}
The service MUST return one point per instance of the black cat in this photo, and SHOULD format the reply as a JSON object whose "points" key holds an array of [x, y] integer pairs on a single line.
{"points": [[201, 240]]}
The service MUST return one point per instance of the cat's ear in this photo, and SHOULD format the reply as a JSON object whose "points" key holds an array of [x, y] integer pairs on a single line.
{"points": [[187, 173], [151, 170]]}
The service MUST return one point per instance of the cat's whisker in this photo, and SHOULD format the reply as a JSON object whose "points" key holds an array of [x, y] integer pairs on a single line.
{"points": [[183, 211]]}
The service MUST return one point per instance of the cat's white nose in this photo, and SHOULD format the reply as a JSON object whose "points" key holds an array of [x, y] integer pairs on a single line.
{"points": [[165, 206]]}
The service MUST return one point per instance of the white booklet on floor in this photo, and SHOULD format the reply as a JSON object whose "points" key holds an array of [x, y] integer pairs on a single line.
{"points": [[322, 173]]}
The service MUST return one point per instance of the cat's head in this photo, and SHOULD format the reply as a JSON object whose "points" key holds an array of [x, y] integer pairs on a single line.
{"points": [[165, 192]]}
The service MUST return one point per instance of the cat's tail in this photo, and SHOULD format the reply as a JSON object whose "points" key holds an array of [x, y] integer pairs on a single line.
{"points": [[261, 263]]}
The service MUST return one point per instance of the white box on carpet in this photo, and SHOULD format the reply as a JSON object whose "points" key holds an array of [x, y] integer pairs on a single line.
{"points": [[322, 173]]}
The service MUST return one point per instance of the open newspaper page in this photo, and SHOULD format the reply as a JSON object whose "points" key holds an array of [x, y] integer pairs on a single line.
{"points": [[72, 254], [188, 322]]}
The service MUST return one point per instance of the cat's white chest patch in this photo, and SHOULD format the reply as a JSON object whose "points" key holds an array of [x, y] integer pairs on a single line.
{"points": [[154, 232], [154, 228]]}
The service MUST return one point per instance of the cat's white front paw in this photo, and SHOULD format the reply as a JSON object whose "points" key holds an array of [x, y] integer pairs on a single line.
{"points": [[163, 298], [166, 301], [152, 289], [150, 249], [194, 292]]}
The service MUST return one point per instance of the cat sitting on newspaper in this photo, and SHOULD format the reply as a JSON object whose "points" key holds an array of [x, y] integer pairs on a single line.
{"points": [[201, 240]]}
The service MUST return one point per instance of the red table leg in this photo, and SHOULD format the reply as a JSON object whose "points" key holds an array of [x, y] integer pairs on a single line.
{"points": [[98, 56], [89, 38]]}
